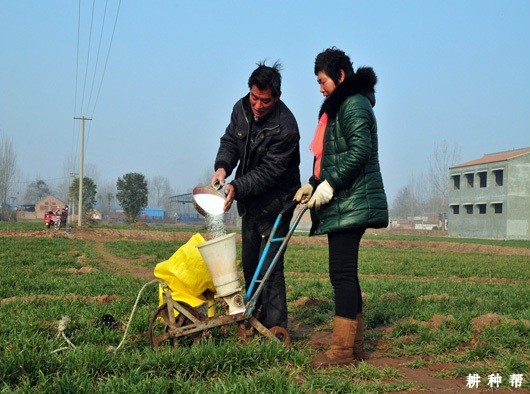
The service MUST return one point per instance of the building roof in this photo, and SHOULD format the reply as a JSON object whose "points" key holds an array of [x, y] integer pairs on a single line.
{"points": [[50, 196], [495, 157]]}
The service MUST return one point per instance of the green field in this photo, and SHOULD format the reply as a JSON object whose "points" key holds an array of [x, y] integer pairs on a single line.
{"points": [[455, 312]]}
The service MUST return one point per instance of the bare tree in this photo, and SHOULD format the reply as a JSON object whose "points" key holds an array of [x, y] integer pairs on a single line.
{"points": [[8, 173], [411, 200], [444, 156], [70, 171], [36, 190], [159, 192], [427, 193], [401, 206], [69, 174], [206, 176], [106, 197]]}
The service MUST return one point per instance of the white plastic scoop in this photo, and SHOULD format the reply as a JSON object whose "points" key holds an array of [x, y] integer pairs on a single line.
{"points": [[208, 201]]}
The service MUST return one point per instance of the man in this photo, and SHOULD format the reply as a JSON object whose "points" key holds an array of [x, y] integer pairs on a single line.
{"points": [[262, 141]]}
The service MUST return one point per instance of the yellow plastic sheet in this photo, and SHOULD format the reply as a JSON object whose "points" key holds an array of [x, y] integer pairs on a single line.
{"points": [[187, 276]]}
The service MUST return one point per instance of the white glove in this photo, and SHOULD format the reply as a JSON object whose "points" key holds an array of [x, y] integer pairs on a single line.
{"points": [[323, 194], [303, 194]]}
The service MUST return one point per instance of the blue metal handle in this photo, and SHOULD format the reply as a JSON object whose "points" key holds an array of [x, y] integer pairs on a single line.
{"points": [[251, 296]]}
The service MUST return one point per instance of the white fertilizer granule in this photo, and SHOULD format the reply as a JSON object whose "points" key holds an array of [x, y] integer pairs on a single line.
{"points": [[211, 204], [216, 225]]}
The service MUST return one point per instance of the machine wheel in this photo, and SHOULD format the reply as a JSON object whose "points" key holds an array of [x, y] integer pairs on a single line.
{"points": [[158, 331], [282, 335], [47, 225]]}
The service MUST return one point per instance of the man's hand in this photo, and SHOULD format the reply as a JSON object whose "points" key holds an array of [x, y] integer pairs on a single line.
{"points": [[303, 194], [230, 192], [323, 194], [218, 178]]}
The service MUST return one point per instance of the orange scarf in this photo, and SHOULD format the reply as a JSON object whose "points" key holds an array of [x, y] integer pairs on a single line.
{"points": [[317, 145]]}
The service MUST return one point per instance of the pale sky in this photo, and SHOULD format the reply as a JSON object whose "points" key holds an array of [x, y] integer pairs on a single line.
{"points": [[160, 97]]}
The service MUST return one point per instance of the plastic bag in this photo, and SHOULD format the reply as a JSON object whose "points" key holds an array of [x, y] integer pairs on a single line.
{"points": [[187, 276]]}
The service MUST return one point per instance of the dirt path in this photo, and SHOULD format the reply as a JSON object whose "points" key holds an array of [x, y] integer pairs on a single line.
{"points": [[421, 377], [123, 266]]}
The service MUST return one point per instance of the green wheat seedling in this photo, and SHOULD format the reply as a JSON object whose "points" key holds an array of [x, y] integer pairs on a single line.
{"points": [[466, 311]]}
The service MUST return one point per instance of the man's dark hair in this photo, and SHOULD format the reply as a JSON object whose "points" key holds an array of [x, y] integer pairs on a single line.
{"points": [[331, 61], [265, 77]]}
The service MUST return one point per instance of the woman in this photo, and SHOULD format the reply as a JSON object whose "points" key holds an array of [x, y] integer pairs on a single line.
{"points": [[349, 195]]}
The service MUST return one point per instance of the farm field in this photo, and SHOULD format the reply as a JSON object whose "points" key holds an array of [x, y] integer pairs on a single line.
{"points": [[437, 310]]}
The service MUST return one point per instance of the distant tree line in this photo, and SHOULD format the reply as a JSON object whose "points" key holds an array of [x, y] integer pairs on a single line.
{"points": [[424, 192], [8, 173], [132, 194], [429, 191]]}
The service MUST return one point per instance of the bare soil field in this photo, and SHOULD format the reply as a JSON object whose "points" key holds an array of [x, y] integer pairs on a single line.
{"points": [[106, 235]]}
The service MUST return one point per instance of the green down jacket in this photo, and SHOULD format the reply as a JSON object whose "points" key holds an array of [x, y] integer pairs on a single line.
{"points": [[350, 161]]}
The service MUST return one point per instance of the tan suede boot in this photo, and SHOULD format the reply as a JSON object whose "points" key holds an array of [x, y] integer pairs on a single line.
{"points": [[358, 346], [341, 350]]}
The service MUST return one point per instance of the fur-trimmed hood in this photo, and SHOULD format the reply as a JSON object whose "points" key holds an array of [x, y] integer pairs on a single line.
{"points": [[362, 82]]}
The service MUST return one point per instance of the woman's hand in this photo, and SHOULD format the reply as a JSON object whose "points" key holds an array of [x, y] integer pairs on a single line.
{"points": [[323, 195]]}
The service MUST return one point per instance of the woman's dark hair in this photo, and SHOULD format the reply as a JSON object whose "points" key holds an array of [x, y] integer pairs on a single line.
{"points": [[265, 77], [331, 61]]}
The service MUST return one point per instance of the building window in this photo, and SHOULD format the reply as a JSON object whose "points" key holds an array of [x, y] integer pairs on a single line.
{"points": [[469, 178], [469, 208], [499, 176], [455, 209], [497, 207], [481, 208], [456, 182], [483, 178]]}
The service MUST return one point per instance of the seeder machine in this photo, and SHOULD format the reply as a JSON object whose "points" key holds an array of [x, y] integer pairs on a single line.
{"points": [[174, 321]]}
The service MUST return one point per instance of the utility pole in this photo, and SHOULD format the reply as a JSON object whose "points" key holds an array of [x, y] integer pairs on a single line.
{"points": [[81, 169], [71, 211]]}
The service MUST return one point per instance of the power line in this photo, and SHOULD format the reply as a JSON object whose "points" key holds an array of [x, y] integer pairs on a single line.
{"points": [[88, 53], [89, 60], [74, 134], [105, 67], [107, 58], [97, 55]]}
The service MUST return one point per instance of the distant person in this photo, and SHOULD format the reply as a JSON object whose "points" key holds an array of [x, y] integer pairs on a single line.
{"points": [[262, 142], [64, 216], [345, 192]]}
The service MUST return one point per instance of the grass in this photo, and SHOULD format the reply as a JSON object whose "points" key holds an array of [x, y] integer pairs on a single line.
{"points": [[405, 291], [158, 250], [416, 263], [382, 235], [38, 225]]}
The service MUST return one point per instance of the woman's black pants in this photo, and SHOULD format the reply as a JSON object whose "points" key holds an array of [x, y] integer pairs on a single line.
{"points": [[343, 261]]}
